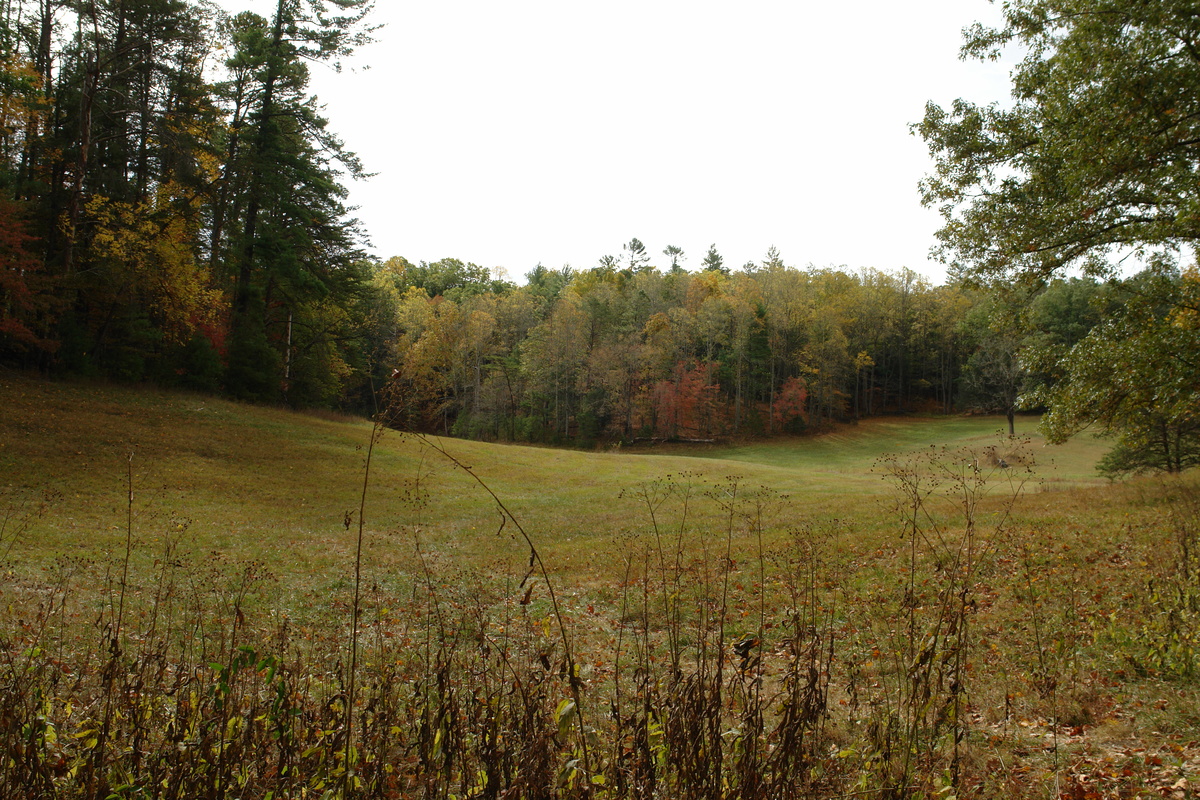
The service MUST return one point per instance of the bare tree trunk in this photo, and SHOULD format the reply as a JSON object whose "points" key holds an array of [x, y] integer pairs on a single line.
{"points": [[90, 80]]}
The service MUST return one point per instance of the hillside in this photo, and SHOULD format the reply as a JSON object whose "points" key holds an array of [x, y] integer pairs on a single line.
{"points": [[254, 480]]}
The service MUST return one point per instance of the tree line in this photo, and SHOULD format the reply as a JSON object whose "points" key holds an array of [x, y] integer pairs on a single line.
{"points": [[625, 350], [172, 209]]}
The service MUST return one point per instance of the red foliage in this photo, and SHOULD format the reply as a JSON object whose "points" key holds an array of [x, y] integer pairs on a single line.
{"points": [[217, 333], [24, 289], [688, 404], [790, 403]]}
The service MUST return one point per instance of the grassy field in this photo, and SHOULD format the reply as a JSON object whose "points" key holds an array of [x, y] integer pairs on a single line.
{"points": [[275, 486], [845, 456], [879, 569], [235, 471]]}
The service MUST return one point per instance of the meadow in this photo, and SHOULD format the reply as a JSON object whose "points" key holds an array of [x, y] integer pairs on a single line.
{"points": [[207, 599]]}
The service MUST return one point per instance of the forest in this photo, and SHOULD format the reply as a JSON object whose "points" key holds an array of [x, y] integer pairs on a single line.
{"points": [[173, 210]]}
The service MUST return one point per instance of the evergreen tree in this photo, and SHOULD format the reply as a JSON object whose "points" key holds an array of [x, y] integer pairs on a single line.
{"points": [[295, 243], [713, 261], [676, 255]]}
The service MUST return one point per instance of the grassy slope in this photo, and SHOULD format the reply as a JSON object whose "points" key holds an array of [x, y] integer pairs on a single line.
{"points": [[844, 457], [241, 483], [275, 485], [228, 467]]}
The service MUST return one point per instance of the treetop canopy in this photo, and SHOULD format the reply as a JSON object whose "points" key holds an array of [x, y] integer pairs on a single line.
{"points": [[1098, 152]]}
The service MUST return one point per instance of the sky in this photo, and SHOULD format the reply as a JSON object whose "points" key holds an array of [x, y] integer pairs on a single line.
{"points": [[524, 132]]}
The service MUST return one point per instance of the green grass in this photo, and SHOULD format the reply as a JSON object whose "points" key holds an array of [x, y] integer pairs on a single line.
{"points": [[236, 483], [269, 484], [850, 451]]}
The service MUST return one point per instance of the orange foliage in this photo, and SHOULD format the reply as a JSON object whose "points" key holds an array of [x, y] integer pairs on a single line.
{"points": [[686, 405], [790, 403]]}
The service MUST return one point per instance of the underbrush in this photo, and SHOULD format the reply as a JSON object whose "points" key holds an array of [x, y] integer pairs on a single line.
{"points": [[743, 652]]}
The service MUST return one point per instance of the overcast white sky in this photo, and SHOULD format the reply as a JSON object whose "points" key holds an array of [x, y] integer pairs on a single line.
{"points": [[531, 131]]}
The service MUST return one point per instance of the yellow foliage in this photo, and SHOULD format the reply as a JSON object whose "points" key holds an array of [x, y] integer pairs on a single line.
{"points": [[148, 249], [657, 323], [20, 110], [1187, 315], [703, 286]]}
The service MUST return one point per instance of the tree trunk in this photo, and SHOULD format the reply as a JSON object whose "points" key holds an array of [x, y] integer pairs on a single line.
{"points": [[90, 80]]}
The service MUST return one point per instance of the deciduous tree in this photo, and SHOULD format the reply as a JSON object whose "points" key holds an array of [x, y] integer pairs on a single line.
{"points": [[1097, 151], [1096, 156], [1135, 378]]}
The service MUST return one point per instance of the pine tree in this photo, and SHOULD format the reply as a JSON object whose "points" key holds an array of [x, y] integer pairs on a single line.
{"points": [[295, 243]]}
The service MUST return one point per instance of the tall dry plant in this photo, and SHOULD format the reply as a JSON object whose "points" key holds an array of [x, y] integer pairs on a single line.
{"points": [[916, 724]]}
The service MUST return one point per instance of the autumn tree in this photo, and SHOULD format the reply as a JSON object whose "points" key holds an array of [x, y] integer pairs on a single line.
{"points": [[788, 305], [153, 210], [504, 388], [127, 143], [25, 299], [553, 358]]}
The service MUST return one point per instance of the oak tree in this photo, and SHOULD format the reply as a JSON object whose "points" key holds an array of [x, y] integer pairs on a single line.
{"points": [[1095, 159]]}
